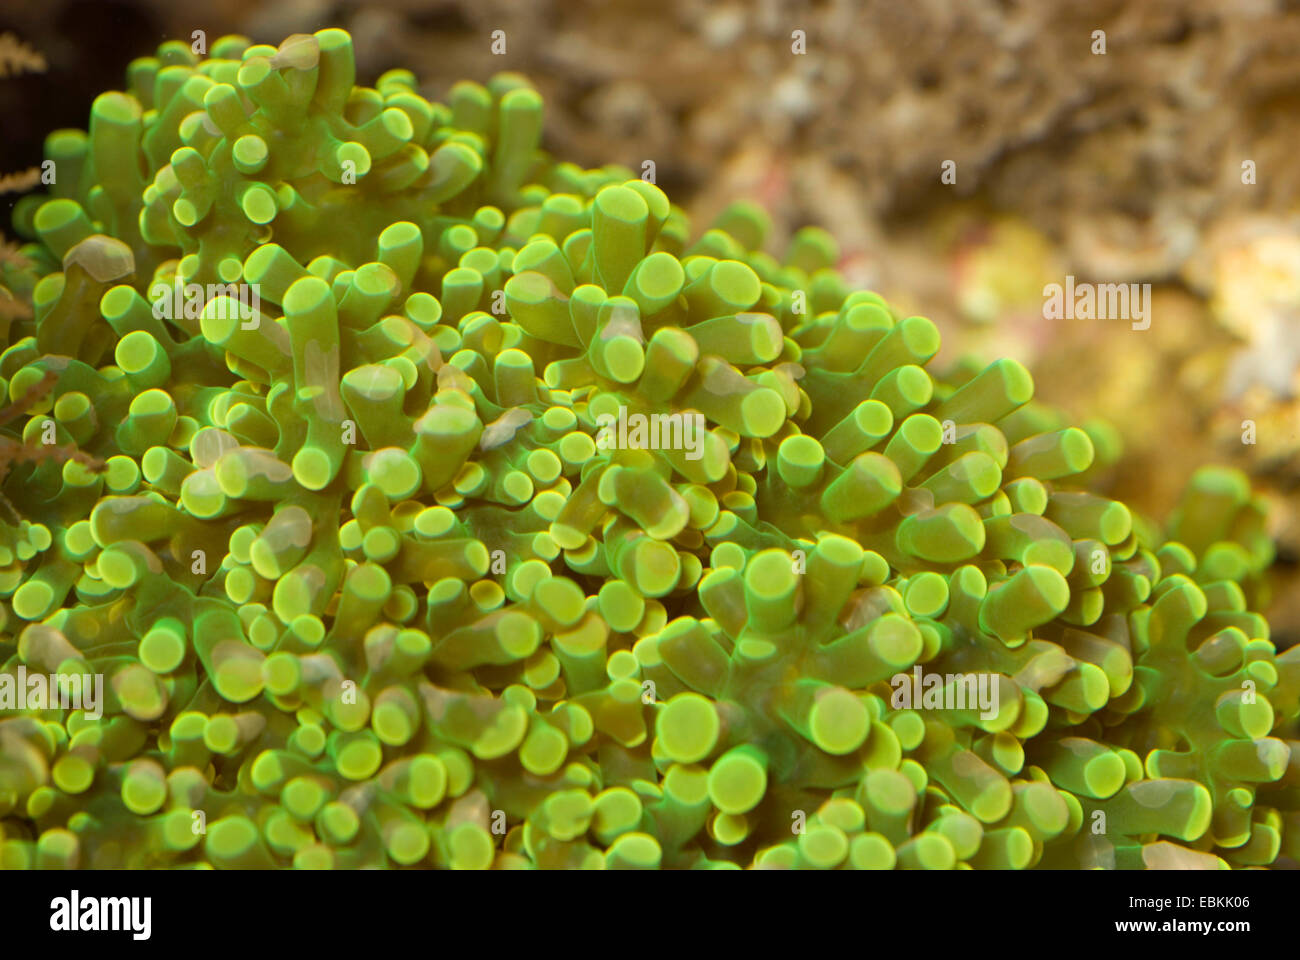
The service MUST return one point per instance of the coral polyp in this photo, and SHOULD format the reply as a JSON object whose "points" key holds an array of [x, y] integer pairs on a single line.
{"points": [[457, 507]]}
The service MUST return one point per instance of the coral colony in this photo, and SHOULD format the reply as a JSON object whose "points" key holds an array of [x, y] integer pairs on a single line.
{"points": [[364, 589]]}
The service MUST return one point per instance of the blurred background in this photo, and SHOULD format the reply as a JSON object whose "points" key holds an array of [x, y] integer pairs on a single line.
{"points": [[1169, 159]]}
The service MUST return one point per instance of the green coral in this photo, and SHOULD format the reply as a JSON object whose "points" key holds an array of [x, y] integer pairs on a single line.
{"points": [[372, 581]]}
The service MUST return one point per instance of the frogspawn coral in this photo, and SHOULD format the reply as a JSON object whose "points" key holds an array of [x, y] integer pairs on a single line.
{"points": [[369, 585]]}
